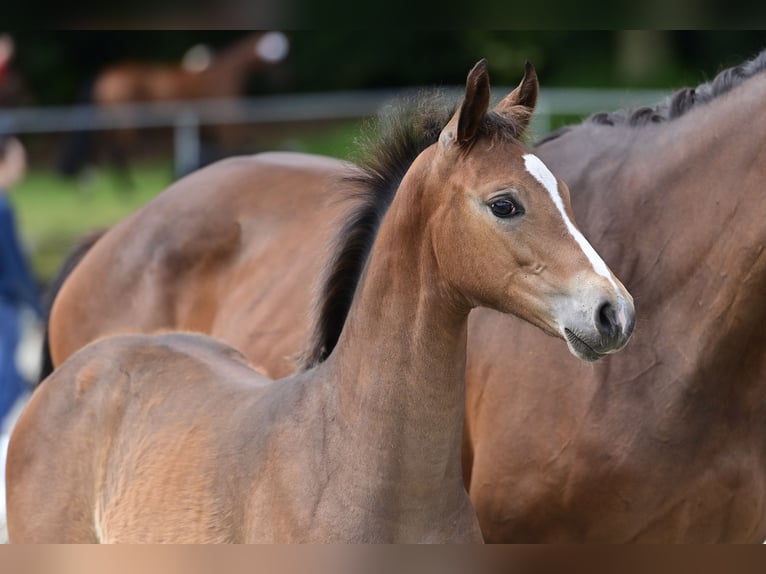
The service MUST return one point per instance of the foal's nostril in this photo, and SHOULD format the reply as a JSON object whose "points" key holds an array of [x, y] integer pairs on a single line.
{"points": [[606, 320]]}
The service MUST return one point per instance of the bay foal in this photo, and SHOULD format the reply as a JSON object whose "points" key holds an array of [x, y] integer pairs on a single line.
{"points": [[174, 438]]}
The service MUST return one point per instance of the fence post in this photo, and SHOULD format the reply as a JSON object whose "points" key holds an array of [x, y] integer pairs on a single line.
{"points": [[542, 119], [186, 140]]}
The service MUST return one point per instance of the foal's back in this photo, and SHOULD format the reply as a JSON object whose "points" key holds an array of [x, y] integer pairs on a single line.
{"points": [[114, 486], [216, 453]]}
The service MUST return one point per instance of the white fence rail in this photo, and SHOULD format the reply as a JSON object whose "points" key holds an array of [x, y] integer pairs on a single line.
{"points": [[186, 117]]}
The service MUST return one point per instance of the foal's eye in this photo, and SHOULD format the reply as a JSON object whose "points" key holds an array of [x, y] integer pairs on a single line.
{"points": [[505, 207]]}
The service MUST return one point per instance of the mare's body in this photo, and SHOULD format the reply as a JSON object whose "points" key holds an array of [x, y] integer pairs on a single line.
{"points": [[230, 271], [667, 442]]}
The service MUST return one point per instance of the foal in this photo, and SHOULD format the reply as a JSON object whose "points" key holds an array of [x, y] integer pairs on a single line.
{"points": [[174, 438]]}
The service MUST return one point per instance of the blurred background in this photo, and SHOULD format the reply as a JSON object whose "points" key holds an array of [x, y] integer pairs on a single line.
{"points": [[182, 99]]}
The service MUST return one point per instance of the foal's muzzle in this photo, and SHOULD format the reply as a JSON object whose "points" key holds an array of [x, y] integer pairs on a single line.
{"points": [[591, 336], [615, 324]]}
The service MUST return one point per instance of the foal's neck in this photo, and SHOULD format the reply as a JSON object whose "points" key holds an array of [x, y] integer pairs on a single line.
{"points": [[400, 363]]}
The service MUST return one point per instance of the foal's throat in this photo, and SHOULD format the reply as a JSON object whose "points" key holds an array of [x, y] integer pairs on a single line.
{"points": [[400, 359]]}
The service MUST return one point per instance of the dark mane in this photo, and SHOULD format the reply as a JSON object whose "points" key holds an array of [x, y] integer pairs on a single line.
{"points": [[388, 149], [678, 103]]}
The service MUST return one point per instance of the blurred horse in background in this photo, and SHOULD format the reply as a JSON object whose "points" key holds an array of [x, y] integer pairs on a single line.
{"points": [[201, 74], [666, 442]]}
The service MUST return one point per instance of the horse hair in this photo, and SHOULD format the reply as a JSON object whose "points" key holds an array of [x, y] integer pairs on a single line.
{"points": [[676, 104], [387, 150]]}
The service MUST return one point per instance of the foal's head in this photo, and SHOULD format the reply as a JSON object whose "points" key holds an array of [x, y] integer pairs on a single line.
{"points": [[503, 232]]}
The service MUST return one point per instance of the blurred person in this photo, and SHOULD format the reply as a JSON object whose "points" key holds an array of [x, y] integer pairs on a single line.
{"points": [[18, 288], [13, 91], [6, 53]]}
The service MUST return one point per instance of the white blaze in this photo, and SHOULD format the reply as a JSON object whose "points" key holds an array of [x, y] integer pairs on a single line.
{"points": [[541, 173]]}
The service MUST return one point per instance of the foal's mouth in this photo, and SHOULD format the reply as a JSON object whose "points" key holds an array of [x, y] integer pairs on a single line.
{"points": [[583, 349]]}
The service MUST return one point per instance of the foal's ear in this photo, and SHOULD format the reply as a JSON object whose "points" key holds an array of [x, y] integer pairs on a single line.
{"points": [[464, 125], [517, 107]]}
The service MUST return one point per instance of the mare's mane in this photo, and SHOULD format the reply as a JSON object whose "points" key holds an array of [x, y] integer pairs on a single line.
{"points": [[388, 149], [677, 104]]}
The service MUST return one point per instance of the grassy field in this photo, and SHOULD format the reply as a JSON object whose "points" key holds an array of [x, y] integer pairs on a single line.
{"points": [[53, 211]]}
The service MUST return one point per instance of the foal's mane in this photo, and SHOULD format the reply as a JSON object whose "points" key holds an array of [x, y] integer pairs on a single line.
{"points": [[677, 104], [386, 151]]}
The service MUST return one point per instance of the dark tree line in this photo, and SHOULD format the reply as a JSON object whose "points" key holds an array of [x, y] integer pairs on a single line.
{"points": [[56, 64]]}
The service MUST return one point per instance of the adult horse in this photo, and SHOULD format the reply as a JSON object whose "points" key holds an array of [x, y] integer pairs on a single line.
{"points": [[666, 442], [173, 437], [224, 75]]}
